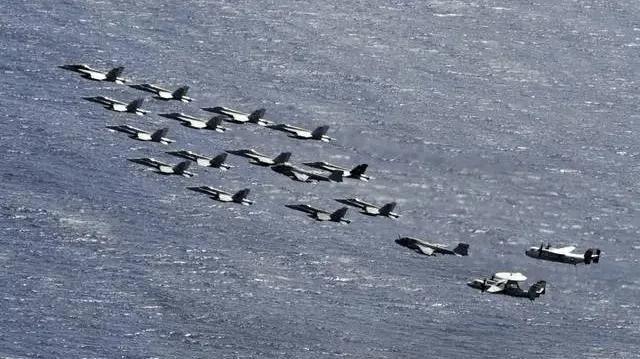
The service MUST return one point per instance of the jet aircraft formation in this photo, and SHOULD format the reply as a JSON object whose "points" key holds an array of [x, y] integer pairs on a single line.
{"points": [[501, 282]]}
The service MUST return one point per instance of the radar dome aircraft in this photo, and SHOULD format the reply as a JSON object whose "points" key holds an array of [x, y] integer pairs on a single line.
{"points": [[508, 284], [564, 254], [97, 75]]}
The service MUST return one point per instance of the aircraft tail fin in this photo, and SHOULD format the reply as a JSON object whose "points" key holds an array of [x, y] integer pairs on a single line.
{"points": [[282, 158], [537, 289], [218, 160], [181, 92], [319, 132], [387, 208], [113, 74], [591, 255], [135, 104], [461, 249], [257, 115], [336, 176], [215, 121], [240, 195], [358, 170], [339, 214], [159, 134], [181, 167]]}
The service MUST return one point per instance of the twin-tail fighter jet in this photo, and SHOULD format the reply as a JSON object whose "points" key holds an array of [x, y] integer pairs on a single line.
{"points": [[507, 284], [241, 117], [214, 123], [304, 134], [260, 159], [357, 172], [205, 161], [119, 106], [432, 249], [239, 197], [141, 135], [87, 72], [301, 175], [165, 168], [322, 215], [163, 94], [564, 254], [371, 209]]}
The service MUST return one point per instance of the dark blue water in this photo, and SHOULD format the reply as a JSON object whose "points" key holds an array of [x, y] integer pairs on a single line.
{"points": [[500, 124]]}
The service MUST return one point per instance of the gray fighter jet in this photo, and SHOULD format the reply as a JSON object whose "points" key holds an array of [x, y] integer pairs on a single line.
{"points": [[357, 172], [507, 283], [97, 75], [119, 106], [301, 175], [165, 168], [241, 117], [564, 254], [431, 249], [320, 214], [302, 133], [214, 123], [163, 94], [217, 161], [141, 135], [222, 196], [260, 159], [371, 209]]}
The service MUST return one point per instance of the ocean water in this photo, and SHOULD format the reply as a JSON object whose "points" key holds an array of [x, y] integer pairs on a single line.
{"points": [[499, 124]]}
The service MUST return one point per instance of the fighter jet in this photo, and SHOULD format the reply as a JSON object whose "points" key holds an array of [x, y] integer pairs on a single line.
{"points": [[138, 134], [304, 134], [241, 117], [320, 214], [301, 175], [259, 159], [431, 249], [119, 106], [564, 254], [97, 75], [214, 123], [357, 172], [507, 283], [371, 209], [163, 94], [222, 196], [217, 161], [165, 168]]}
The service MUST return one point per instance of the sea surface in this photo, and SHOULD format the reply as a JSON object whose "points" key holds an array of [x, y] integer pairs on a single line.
{"points": [[502, 124]]}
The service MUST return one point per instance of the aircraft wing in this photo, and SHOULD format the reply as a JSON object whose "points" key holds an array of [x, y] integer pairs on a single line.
{"points": [[562, 250], [151, 162], [127, 129], [299, 176], [426, 250], [494, 289]]}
